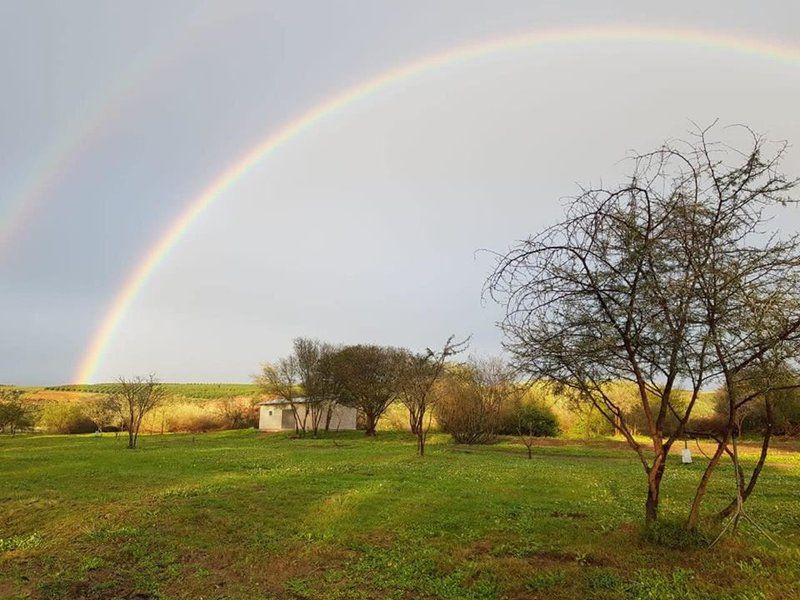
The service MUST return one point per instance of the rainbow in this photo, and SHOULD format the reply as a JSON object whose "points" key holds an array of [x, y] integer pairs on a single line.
{"points": [[137, 279]]}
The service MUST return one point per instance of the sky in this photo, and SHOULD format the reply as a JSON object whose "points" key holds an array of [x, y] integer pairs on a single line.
{"points": [[368, 226]]}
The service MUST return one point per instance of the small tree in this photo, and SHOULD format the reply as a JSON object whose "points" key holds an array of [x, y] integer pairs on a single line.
{"points": [[664, 281], [133, 399], [314, 378], [15, 415], [418, 376], [101, 411], [533, 420], [282, 378]]}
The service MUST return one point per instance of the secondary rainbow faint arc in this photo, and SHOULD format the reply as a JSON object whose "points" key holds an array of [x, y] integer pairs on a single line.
{"points": [[89, 124], [141, 273]]}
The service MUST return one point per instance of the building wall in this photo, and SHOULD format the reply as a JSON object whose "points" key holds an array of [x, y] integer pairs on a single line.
{"points": [[267, 421], [343, 419]]}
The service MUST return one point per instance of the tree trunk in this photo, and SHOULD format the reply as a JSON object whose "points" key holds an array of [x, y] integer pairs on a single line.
{"points": [[745, 492], [412, 422], [418, 428], [654, 478], [694, 512], [370, 424]]}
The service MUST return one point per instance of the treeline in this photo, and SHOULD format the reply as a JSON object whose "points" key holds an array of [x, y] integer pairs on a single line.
{"points": [[473, 400], [202, 391]]}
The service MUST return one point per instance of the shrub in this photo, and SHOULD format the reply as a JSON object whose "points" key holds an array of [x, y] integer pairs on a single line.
{"points": [[462, 412], [65, 417], [193, 418], [238, 413], [785, 412], [15, 415], [530, 418]]}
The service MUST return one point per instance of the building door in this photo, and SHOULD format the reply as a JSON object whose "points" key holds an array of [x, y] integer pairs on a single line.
{"points": [[287, 419]]}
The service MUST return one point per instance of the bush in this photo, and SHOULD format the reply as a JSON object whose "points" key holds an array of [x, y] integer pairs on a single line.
{"points": [[65, 417], [464, 414], [785, 412], [238, 413], [530, 418], [15, 415], [194, 419]]}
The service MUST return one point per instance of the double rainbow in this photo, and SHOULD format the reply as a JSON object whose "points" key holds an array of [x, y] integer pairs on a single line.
{"points": [[143, 271]]}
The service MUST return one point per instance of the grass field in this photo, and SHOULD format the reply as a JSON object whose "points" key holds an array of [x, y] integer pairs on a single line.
{"points": [[246, 515]]}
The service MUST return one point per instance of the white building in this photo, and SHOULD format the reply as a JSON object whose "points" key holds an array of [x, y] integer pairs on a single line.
{"points": [[276, 415]]}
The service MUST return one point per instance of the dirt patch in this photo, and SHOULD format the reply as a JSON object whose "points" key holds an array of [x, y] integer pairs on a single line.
{"points": [[232, 573]]}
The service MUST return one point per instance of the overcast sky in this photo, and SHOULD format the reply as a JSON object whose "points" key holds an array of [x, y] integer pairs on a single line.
{"points": [[114, 116]]}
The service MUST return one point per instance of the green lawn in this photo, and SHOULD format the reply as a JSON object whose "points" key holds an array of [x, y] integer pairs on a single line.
{"points": [[246, 515]]}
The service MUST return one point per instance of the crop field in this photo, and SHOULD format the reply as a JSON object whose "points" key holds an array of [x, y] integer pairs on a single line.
{"points": [[200, 391], [248, 515]]}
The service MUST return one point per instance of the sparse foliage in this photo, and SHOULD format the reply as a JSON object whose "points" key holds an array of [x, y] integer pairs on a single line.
{"points": [[418, 376], [472, 398], [315, 379], [282, 378], [667, 279], [133, 399]]}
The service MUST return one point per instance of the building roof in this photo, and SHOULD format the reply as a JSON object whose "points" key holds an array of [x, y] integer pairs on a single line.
{"points": [[279, 401]]}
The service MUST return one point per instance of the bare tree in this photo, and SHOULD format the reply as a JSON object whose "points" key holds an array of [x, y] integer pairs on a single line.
{"points": [[282, 378], [133, 399], [532, 418], [648, 283], [418, 375], [314, 377]]}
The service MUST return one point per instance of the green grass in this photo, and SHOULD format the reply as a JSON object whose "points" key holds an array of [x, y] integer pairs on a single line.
{"points": [[245, 515]]}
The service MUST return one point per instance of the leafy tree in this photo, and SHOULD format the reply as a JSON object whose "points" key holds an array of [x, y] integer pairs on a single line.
{"points": [[15, 415], [367, 377], [65, 417], [102, 411]]}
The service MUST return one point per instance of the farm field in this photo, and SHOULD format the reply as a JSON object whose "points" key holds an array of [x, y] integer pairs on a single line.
{"points": [[197, 391], [242, 514]]}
